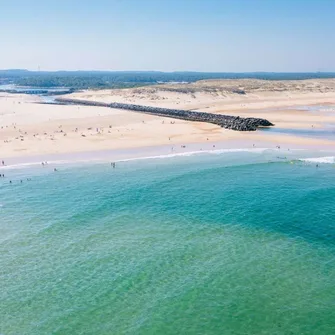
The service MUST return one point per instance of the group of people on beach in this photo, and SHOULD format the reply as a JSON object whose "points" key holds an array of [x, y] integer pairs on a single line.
{"points": [[22, 135]]}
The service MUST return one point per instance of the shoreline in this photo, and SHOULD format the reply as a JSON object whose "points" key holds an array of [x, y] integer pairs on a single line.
{"points": [[158, 152]]}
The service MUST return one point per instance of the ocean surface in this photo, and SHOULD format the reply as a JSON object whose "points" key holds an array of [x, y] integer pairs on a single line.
{"points": [[235, 242]]}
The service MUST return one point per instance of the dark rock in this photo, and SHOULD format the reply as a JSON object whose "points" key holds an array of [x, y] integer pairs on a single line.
{"points": [[225, 121]]}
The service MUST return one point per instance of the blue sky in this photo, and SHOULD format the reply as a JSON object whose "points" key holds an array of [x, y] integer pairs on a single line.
{"points": [[168, 35]]}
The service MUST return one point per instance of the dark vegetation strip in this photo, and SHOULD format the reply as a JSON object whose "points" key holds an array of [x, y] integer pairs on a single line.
{"points": [[125, 79]]}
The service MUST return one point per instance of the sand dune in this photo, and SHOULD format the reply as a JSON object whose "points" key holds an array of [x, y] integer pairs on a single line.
{"points": [[223, 95]]}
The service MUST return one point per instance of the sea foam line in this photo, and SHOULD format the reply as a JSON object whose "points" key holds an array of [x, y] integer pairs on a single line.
{"points": [[322, 160], [109, 158], [194, 153], [20, 166]]}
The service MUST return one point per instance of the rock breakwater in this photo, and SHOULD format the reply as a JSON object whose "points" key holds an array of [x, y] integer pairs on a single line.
{"points": [[225, 121]]}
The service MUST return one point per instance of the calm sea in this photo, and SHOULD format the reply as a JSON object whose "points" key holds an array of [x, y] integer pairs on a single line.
{"points": [[233, 243]]}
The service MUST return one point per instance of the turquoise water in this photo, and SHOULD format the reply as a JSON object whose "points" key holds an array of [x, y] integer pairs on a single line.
{"points": [[236, 243]]}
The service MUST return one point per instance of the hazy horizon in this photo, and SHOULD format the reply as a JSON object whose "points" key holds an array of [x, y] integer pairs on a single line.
{"points": [[169, 36], [177, 71]]}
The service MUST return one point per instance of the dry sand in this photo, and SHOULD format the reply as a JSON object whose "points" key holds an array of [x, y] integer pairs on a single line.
{"points": [[27, 128]]}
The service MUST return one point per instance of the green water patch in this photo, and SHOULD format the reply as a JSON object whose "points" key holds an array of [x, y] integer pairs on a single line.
{"points": [[169, 277]]}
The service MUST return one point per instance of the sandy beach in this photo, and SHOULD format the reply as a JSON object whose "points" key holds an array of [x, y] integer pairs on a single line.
{"points": [[31, 129]]}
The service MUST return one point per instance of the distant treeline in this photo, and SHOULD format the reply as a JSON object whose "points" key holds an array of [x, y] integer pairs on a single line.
{"points": [[101, 79]]}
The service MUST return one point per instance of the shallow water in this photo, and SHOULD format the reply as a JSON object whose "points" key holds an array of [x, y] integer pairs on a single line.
{"points": [[319, 109], [27, 89], [327, 133], [230, 243]]}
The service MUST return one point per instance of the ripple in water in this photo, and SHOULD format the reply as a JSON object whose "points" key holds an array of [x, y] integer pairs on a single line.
{"points": [[210, 244]]}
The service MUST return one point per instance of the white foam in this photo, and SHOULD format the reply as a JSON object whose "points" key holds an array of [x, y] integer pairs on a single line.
{"points": [[108, 158], [322, 160], [20, 166], [193, 153], [253, 150]]}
